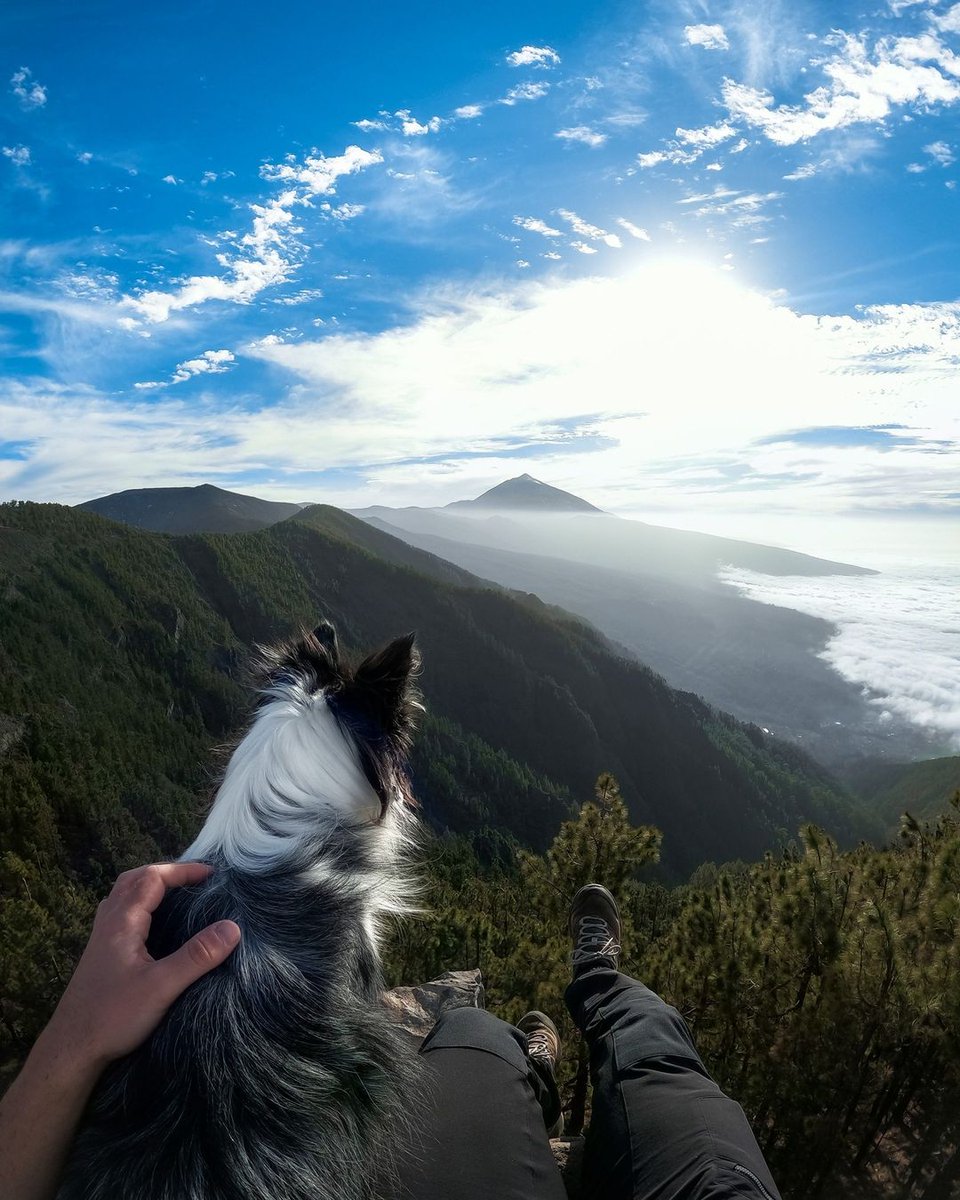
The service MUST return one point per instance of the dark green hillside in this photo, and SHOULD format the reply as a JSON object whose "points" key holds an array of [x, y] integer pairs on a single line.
{"points": [[924, 789], [150, 634], [205, 508]]}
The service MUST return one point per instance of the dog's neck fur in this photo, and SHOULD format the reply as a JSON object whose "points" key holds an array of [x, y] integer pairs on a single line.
{"points": [[295, 773]]}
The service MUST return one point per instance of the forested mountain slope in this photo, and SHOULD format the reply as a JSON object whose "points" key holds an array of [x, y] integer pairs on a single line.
{"points": [[122, 657], [201, 509], [122, 653], [924, 789]]}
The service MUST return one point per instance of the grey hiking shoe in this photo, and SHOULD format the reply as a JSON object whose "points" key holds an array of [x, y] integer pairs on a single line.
{"points": [[594, 925], [544, 1045]]}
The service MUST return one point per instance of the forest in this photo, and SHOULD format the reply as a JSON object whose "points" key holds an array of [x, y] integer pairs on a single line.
{"points": [[822, 987]]}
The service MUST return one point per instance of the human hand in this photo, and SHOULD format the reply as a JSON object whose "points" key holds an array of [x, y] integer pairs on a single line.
{"points": [[119, 994]]}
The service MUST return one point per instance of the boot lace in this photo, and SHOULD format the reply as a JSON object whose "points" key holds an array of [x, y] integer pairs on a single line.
{"points": [[594, 938], [541, 1042]]}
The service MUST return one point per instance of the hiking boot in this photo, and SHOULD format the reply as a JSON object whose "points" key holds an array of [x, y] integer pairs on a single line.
{"points": [[594, 926], [544, 1046]]}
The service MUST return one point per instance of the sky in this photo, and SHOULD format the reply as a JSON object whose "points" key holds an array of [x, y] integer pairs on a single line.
{"points": [[696, 261]]}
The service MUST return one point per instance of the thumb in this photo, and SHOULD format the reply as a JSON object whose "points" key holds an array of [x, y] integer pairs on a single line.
{"points": [[204, 951]]}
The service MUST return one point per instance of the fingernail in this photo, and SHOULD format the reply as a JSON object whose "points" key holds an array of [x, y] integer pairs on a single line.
{"points": [[228, 932]]}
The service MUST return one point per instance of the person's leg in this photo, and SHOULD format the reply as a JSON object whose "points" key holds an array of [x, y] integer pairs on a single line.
{"points": [[482, 1126], [660, 1126]]}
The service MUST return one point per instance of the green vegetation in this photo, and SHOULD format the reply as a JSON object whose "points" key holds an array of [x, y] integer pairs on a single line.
{"points": [[923, 788], [823, 988]]}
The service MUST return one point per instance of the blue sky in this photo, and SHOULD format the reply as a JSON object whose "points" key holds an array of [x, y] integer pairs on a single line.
{"points": [[670, 256]]}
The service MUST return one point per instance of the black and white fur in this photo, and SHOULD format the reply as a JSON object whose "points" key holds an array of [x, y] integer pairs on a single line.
{"points": [[279, 1076]]}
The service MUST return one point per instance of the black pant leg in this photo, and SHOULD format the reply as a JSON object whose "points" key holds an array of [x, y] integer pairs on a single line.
{"points": [[481, 1131], [661, 1128]]}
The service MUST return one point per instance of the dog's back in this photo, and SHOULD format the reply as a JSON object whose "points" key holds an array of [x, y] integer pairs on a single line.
{"points": [[279, 1074]]}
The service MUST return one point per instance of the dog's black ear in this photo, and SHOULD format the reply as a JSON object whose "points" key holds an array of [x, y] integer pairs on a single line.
{"points": [[326, 635], [386, 680]]}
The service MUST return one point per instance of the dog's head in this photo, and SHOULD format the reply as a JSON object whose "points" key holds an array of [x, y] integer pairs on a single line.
{"points": [[375, 704], [327, 749]]}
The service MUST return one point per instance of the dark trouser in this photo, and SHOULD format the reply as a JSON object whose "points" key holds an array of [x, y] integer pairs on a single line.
{"points": [[661, 1129]]}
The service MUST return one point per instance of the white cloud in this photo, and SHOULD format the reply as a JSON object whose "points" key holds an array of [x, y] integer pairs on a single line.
{"points": [[710, 37], [171, 179], [551, 254], [210, 362], [634, 230], [584, 248], [535, 225], [895, 636], [270, 251], [707, 136], [582, 133], [468, 112], [941, 152], [367, 126], [84, 157], [522, 263], [411, 127], [30, 93], [525, 91], [344, 212], [18, 155], [536, 56], [585, 229], [806, 171], [863, 85], [714, 368], [744, 208], [949, 22]]}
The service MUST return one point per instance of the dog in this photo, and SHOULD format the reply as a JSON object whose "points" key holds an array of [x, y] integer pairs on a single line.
{"points": [[280, 1076]]}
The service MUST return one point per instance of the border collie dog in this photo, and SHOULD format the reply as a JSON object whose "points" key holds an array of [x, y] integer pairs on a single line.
{"points": [[280, 1076]]}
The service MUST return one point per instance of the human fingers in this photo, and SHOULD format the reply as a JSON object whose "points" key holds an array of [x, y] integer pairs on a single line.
{"points": [[204, 951], [137, 893]]}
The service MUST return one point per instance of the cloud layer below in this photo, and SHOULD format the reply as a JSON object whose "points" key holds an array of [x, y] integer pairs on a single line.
{"points": [[897, 637]]}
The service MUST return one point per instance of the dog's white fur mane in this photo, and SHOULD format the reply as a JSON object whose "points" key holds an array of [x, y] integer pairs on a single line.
{"points": [[295, 773]]}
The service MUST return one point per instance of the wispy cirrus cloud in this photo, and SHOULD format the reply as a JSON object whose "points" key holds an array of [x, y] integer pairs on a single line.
{"points": [[269, 252], [585, 229], [210, 362], [535, 225], [582, 133]]}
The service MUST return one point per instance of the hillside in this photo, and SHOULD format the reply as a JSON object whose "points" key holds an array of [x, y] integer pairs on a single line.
{"points": [[924, 789], [703, 638], [528, 516], [202, 509], [141, 674]]}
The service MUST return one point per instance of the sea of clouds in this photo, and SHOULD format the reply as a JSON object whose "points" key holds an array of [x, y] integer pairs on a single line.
{"points": [[897, 636]]}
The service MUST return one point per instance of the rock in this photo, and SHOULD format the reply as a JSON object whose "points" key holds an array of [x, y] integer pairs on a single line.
{"points": [[417, 1008]]}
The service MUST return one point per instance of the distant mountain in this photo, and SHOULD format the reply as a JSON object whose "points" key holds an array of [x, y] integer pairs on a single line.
{"points": [[107, 712], [202, 509], [604, 540], [526, 494], [657, 593]]}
